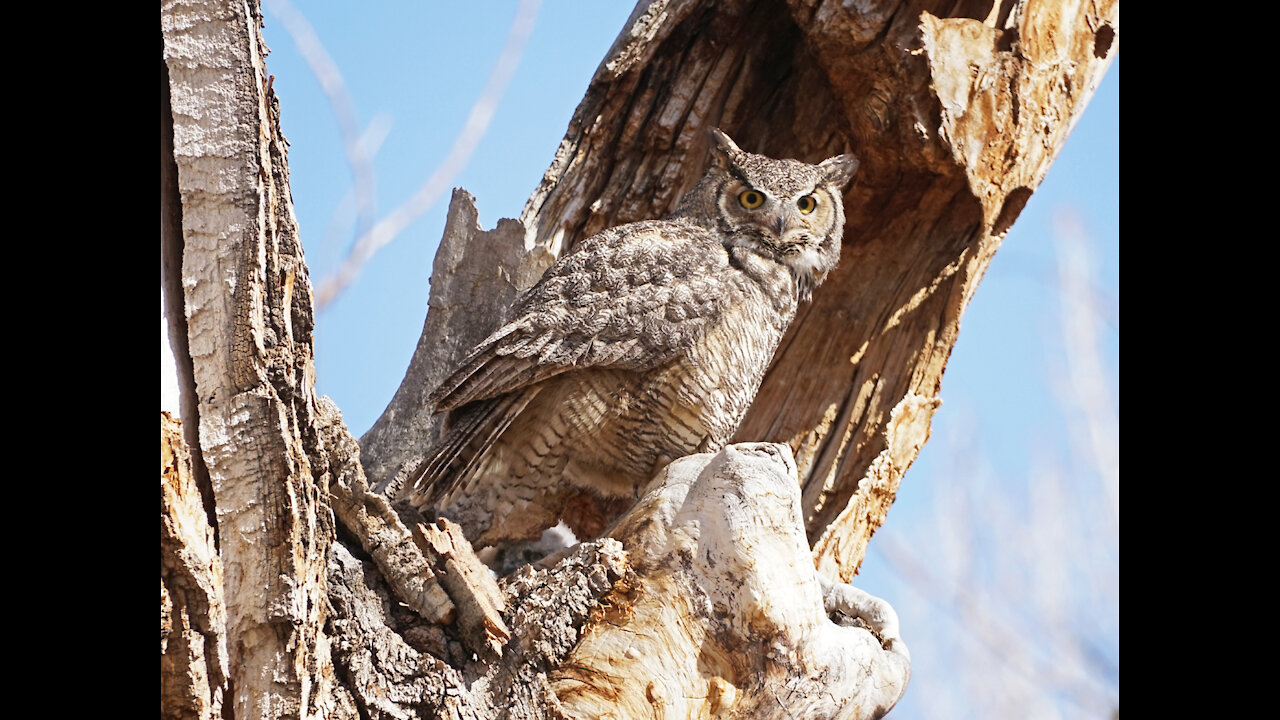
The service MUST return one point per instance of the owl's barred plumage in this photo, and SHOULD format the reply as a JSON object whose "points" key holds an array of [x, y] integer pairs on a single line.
{"points": [[644, 343]]}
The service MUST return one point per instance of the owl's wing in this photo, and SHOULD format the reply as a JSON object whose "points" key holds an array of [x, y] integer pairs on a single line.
{"points": [[631, 297]]}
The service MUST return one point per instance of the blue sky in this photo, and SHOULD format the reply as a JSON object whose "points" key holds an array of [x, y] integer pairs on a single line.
{"points": [[413, 71]]}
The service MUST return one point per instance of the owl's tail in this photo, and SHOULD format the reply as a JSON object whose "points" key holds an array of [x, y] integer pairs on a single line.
{"points": [[472, 430]]}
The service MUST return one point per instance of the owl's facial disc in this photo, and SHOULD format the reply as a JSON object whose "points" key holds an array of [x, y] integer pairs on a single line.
{"points": [[803, 252], [804, 227], [789, 221], [797, 244]]}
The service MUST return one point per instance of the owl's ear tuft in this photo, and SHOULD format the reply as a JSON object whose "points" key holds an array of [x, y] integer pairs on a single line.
{"points": [[839, 170], [723, 148]]}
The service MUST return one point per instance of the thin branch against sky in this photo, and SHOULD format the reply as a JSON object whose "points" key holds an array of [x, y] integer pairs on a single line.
{"points": [[358, 153], [464, 145], [371, 140], [982, 623]]}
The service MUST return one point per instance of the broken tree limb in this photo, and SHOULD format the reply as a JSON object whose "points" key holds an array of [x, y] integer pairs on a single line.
{"points": [[470, 581], [369, 518], [476, 276]]}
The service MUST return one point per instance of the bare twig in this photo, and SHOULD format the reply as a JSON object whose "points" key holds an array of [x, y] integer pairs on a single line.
{"points": [[359, 155], [463, 146], [986, 624], [340, 219]]}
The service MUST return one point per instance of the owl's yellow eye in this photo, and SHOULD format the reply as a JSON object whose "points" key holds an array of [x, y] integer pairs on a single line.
{"points": [[751, 199], [807, 204]]}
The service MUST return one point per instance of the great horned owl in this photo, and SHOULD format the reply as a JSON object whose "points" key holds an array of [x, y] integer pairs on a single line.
{"points": [[644, 343]]}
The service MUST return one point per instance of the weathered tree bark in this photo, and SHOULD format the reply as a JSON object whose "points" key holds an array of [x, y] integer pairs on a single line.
{"points": [[291, 586]]}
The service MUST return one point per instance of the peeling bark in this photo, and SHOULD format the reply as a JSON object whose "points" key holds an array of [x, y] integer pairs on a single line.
{"points": [[382, 534], [471, 582], [291, 586]]}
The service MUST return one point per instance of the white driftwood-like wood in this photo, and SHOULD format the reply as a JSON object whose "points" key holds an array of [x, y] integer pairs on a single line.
{"points": [[730, 618]]}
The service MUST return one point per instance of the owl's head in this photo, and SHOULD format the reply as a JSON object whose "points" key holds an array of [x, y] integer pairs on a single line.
{"points": [[785, 209]]}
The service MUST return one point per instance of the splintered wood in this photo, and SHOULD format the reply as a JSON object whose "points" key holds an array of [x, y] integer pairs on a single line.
{"points": [[469, 582]]}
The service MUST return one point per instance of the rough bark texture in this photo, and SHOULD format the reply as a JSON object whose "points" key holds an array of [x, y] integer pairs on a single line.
{"points": [[193, 621], [291, 587], [247, 304]]}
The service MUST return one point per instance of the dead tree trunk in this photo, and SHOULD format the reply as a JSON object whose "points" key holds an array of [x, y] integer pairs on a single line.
{"points": [[291, 587]]}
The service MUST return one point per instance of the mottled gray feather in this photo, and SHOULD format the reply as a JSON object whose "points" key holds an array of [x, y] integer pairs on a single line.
{"points": [[644, 343]]}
